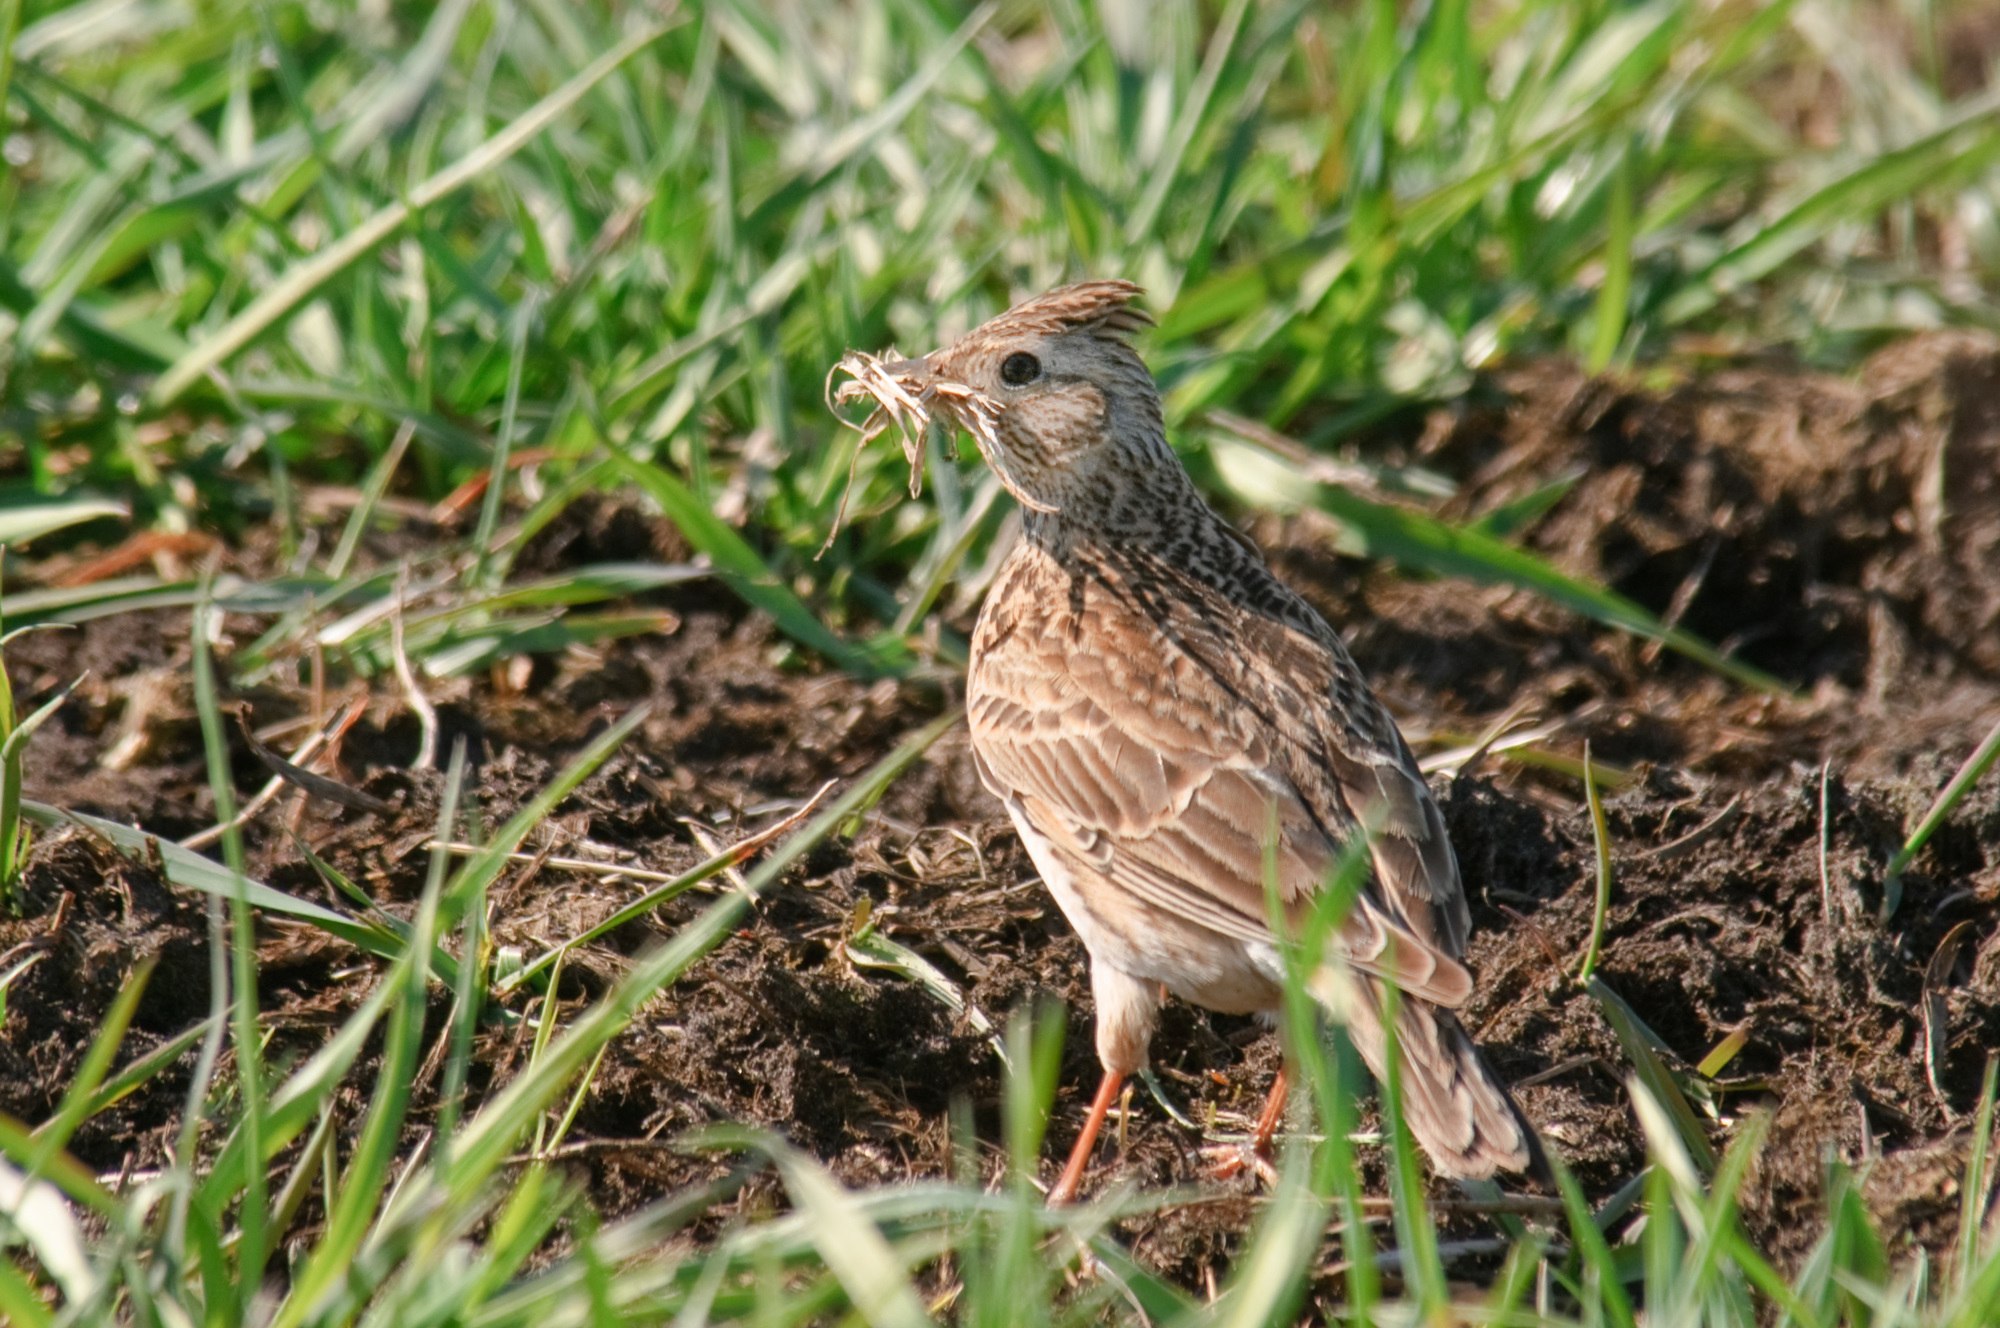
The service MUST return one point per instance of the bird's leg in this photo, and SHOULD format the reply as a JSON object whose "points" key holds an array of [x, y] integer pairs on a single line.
{"points": [[1079, 1156], [1227, 1160], [1272, 1116]]}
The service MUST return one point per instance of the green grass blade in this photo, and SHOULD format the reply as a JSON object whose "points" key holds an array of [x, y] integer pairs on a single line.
{"points": [[1424, 543], [747, 573], [253, 1245], [1639, 1045], [143, 1069], [484, 1141], [20, 1301], [292, 289], [1600, 832], [1608, 328], [869, 1269], [503, 447], [192, 871], [1601, 1287], [1416, 1230], [19, 525], [1940, 810], [1967, 145], [1271, 1277], [1978, 1181], [359, 1189], [304, 1094]]}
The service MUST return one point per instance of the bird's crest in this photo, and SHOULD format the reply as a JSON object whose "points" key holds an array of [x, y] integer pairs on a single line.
{"points": [[1103, 307]]}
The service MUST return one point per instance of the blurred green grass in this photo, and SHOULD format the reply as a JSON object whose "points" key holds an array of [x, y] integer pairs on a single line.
{"points": [[253, 250], [239, 252]]}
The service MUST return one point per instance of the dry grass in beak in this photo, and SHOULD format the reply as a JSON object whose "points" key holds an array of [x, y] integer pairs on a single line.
{"points": [[912, 403]]}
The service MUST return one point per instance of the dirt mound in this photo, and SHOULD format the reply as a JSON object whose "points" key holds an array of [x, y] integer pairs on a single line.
{"points": [[91, 920], [1822, 529], [1726, 918]]}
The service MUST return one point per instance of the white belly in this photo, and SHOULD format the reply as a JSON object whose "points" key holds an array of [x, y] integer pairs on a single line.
{"points": [[1217, 972]]}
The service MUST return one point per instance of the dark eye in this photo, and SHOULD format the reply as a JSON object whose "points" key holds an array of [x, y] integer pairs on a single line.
{"points": [[1020, 369]]}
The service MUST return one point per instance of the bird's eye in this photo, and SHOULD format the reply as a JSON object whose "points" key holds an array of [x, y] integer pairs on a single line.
{"points": [[1020, 369]]}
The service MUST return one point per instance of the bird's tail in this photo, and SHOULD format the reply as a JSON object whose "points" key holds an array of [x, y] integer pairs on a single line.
{"points": [[1456, 1107]]}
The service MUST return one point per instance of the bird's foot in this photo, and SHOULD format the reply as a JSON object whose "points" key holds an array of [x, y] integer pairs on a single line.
{"points": [[1228, 1161], [1258, 1153]]}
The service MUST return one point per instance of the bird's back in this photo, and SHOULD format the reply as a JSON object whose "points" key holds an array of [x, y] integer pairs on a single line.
{"points": [[1170, 698]]}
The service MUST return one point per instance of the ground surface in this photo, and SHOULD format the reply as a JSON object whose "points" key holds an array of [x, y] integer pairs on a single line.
{"points": [[1843, 534]]}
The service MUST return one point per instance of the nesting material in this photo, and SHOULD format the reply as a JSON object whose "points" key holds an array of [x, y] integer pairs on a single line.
{"points": [[911, 402]]}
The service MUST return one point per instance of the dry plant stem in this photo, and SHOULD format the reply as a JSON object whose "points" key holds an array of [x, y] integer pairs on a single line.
{"points": [[1501, 735], [427, 720], [731, 856], [304, 780], [607, 871], [1825, 884], [713, 846], [336, 736], [741, 850], [303, 753], [910, 401], [264, 796], [1601, 833]]}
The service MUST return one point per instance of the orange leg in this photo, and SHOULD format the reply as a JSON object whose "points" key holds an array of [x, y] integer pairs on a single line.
{"points": [[1271, 1117], [1079, 1156]]}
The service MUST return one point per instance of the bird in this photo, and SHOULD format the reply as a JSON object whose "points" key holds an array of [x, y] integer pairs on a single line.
{"points": [[1166, 722]]}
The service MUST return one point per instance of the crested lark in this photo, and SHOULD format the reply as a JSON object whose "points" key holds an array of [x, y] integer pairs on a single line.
{"points": [[1147, 700]]}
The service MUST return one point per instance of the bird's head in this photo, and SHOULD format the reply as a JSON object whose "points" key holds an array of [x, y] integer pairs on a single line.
{"points": [[1063, 408]]}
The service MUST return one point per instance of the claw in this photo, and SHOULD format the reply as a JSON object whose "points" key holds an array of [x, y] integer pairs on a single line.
{"points": [[1228, 1161]]}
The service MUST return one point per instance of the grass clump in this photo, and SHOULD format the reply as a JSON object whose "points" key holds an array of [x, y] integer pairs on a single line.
{"points": [[427, 245]]}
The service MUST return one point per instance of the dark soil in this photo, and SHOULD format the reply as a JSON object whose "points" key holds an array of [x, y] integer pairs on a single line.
{"points": [[1844, 535]]}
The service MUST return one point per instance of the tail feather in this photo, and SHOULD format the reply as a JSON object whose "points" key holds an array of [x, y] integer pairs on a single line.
{"points": [[1453, 1102]]}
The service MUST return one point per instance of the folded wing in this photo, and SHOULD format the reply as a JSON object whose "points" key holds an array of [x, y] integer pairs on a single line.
{"points": [[1169, 769]]}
